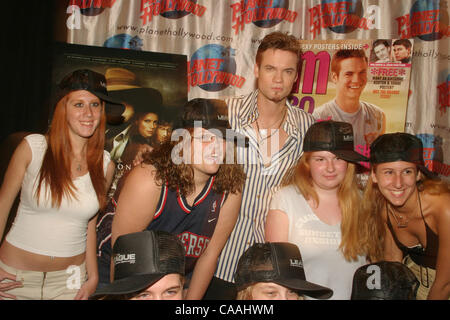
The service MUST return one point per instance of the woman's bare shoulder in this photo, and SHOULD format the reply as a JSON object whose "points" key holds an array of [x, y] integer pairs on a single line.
{"points": [[143, 175]]}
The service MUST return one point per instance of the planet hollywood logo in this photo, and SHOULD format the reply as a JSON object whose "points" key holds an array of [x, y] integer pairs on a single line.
{"points": [[124, 41], [433, 153], [92, 7], [444, 96], [262, 13], [428, 20], [213, 68], [171, 9], [343, 16]]}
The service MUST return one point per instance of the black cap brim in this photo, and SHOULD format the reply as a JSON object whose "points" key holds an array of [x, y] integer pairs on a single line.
{"points": [[307, 288], [105, 97], [429, 174], [128, 285], [350, 156]]}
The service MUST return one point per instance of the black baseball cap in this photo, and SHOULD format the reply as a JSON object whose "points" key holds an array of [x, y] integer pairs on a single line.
{"points": [[85, 79], [211, 114], [335, 137], [384, 280], [141, 259], [278, 262], [399, 146]]}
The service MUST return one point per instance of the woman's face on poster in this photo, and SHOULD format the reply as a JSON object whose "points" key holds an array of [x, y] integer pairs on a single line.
{"points": [[147, 125]]}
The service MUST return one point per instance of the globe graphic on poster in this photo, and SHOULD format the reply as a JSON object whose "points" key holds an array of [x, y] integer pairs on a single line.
{"points": [[124, 41], [426, 6], [214, 51], [174, 14], [355, 10], [284, 4], [91, 11]]}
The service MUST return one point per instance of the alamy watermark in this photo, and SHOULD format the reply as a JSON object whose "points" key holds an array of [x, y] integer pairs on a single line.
{"points": [[192, 148], [374, 280], [73, 282]]}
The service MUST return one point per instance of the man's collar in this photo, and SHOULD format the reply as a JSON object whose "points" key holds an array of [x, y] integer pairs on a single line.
{"points": [[250, 113]]}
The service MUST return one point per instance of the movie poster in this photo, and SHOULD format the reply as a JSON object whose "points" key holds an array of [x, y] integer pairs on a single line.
{"points": [[364, 82], [151, 86]]}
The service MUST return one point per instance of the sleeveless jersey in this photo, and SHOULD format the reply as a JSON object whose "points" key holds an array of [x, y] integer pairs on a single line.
{"points": [[194, 224]]}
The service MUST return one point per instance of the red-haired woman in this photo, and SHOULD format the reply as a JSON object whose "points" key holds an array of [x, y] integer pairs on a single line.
{"points": [[49, 253]]}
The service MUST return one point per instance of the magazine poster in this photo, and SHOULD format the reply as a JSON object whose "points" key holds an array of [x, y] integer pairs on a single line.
{"points": [[151, 87], [364, 82]]}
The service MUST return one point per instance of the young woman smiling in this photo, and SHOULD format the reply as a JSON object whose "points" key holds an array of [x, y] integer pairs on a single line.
{"points": [[407, 213], [63, 177], [318, 209]]}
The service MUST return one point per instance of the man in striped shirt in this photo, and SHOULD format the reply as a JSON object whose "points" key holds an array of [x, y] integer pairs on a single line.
{"points": [[275, 130]]}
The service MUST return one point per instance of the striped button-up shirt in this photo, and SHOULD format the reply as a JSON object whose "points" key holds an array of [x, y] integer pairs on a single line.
{"points": [[262, 182]]}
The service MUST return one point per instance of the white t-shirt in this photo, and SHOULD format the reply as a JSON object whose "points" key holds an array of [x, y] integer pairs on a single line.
{"points": [[43, 229], [318, 242]]}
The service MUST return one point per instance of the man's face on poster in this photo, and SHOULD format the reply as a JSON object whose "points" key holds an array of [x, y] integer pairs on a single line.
{"points": [[382, 52], [401, 52], [163, 132], [352, 78]]}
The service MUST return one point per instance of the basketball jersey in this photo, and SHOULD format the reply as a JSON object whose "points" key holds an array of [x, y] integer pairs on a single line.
{"points": [[194, 224]]}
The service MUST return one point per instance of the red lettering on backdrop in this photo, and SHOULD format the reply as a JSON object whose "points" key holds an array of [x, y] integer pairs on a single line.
{"points": [[256, 10], [86, 4], [421, 23], [150, 8], [333, 15], [444, 97]]}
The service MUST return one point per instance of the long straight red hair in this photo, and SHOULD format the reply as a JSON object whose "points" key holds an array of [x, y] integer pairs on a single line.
{"points": [[55, 171]]}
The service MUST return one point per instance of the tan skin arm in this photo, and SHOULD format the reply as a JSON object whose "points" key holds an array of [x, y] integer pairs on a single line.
{"points": [[136, 204], [109, 174], [206, 264], [11, 186], [441, 211], [277, 226], [12, 181]]}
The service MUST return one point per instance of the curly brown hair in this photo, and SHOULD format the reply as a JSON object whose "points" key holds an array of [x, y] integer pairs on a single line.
{"points": [[229, 178]]}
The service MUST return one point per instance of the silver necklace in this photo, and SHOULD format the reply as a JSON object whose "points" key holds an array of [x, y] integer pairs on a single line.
{"points": [[260, 137]]}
